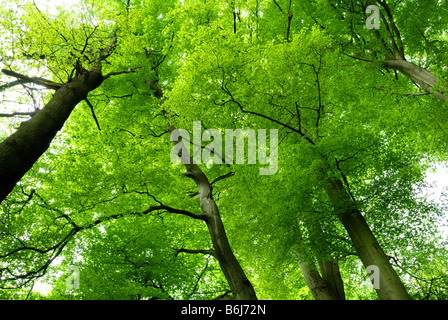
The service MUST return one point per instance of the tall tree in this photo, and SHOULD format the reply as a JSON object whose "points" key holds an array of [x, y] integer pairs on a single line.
{"points": [[239, 284], [405, 41], [355, 142], [84, 72], [310, 126]]}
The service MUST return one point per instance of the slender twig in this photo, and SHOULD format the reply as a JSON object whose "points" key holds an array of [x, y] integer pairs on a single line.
{"points": [[93, 114], [227, 175], [278, 6], [345, 181], [200, 277], [232, 99], [230, 174], [288, 26], [12, 84], [404, 94]]}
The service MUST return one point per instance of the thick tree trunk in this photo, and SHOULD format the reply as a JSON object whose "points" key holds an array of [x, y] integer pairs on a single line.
{"points": [[369, 251], [329, 286], [418, 75], [331, 274], [239, 284], [22, 149], [319, 288]]}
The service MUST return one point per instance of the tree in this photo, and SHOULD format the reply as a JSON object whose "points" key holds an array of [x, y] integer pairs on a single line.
{"points": [[82, 64], [355, 141], [417, 57], [231, 90]]}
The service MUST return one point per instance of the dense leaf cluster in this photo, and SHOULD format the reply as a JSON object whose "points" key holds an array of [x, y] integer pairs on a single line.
{"points": [[310, 69]]}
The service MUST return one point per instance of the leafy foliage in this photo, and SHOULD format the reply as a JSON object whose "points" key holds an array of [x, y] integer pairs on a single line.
{"points": [[231, 65]]}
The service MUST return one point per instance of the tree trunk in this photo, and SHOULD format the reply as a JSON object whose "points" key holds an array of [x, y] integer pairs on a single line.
{"points": [[418, 75], [369, 251], [330, 274], [22, 149], [241, 287], [329, 286]]}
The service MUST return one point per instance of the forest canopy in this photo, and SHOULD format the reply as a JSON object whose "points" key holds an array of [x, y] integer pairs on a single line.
{"points": [[223, 149]]}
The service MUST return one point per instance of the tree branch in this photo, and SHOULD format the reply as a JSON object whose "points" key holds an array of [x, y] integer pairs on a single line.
{"points": [[199, 278], [288, 26], [230, 174], [103, 54], [404, 94], [278, 6], [93, 114], [12, 84], [398, 43], [227, 175], [232, 99], [206, 251], [345, 181], [142, 213], [177, 211], [26, 79]]}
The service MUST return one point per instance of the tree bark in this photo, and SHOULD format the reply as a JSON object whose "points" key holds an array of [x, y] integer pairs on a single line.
{"points": [[329, 286], [331, 274], [418, 75], [241, 287], [238, 282], [369, 251], [22, 149]]}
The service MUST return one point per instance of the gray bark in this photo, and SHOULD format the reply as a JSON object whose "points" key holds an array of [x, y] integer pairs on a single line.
{"points": [[331, 274], [239, 284], [241, 287], [425, 79], [366, 245], [328, 284]]}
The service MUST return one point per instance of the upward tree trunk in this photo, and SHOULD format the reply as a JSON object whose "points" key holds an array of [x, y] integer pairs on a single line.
{"points": [[369, 251], [241, 287], [239, 284], [20, 151], [329, 285]]}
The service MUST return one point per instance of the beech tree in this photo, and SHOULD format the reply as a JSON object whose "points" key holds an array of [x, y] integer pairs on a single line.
{"points": [[87, 180], [82, 64]]}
